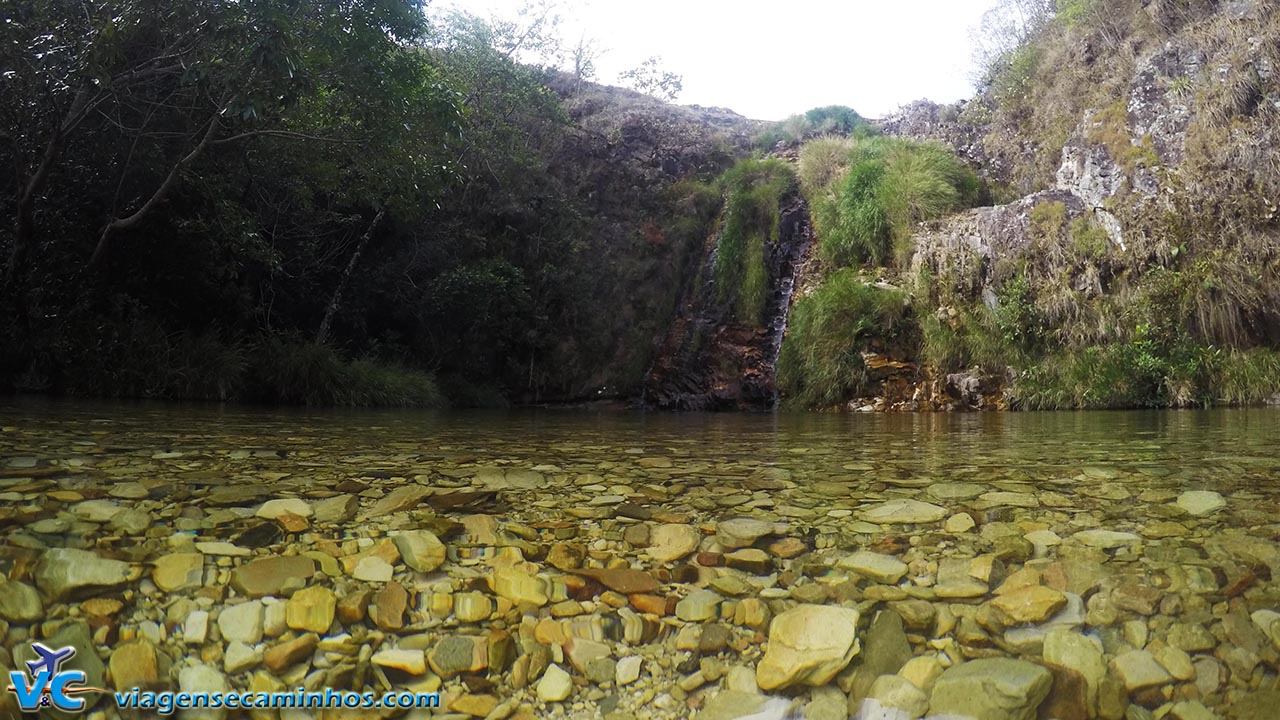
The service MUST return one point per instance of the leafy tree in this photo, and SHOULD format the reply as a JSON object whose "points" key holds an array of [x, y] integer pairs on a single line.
{"points": [[652, 79]]}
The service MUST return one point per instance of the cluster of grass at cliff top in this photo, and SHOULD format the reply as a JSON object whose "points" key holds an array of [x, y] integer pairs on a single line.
{"points": [[820, 121], [821, 360], [866, 194], [753, 189]]}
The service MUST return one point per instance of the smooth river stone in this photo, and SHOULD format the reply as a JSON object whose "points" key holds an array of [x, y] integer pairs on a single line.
{"points": [[273, 576], [1032, 604], [273, 509], [991, 689], [881, 568], [19, 602], [519, 587], [1138, 669], [904, 511], [178, 571], [741, 532], [63, 572], [1105, 539], [202, 678], [622, 580], [420, 549], [1201, 502], [808, 645], [1081, 653], [955, 491], [670, 542], [311, 609]]}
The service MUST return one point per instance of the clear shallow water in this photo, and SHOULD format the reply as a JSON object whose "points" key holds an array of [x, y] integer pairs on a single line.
{"points": [[1223, 448], [1039, 491]]}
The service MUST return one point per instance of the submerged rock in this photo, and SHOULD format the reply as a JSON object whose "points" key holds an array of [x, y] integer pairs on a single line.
{"points": [[904, 511], [1201, 502], [991, 689], [64, 572], [808, 645]]}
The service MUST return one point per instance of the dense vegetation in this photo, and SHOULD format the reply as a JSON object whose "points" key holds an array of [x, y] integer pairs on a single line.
{"points": [[867, 194], [214, 201], [1183, 311], [211, 200]]}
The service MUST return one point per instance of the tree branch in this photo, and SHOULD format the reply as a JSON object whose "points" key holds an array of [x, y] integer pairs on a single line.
{"points": [[281, 133], [124, 223]]}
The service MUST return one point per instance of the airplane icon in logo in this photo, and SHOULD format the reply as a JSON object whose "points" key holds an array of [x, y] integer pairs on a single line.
{"points": [[50, 660]]}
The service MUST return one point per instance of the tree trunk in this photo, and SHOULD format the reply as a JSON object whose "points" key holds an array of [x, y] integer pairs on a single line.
{"points": [[124, 223], [323, 333]]}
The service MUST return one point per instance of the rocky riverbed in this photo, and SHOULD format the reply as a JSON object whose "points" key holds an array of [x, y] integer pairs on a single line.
{"points": [[665, 580]]}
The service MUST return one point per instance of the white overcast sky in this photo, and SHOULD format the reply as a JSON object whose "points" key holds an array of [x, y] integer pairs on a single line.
{"points": [[768, 60]]}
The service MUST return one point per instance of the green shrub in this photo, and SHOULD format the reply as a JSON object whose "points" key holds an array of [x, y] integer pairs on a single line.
{"points": [[205, 367], [971, 339], [834, 120], [861, 230], [754, 190], [923, 181], [1073, 13], [821, 363], [1016, 316], [1247, 377], [1142, 372], [1013, 80], [823, 161]]}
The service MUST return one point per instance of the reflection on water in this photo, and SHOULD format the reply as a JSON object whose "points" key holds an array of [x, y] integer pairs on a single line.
{"points": [[1124, 559]]}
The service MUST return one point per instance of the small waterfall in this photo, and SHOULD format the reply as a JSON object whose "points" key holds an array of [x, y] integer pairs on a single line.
{"points": [[796, 238]]}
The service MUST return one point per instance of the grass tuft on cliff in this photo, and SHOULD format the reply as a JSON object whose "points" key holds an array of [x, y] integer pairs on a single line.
{"points": [[867, 194], [821, 360], [830, 120]]}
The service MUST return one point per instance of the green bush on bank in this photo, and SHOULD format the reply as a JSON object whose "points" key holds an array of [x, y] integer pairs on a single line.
{"points": [[821, 363], [754, 190]]}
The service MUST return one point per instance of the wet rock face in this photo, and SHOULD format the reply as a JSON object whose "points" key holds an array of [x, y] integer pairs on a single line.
{"points": [[708, 361]]}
